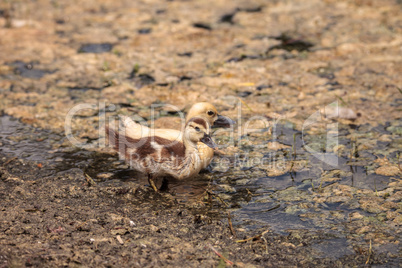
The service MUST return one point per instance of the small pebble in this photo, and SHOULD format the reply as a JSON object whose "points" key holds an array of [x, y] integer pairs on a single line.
{"points": [[104, 175], [227, 188], [118, 237], [242, 181]]}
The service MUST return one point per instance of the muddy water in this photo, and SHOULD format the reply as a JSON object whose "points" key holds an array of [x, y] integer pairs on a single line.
{"points": [[23, 141], [275, 200], [304, 194]]}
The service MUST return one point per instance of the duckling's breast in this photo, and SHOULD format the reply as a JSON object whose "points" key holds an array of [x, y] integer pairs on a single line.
{"points": [[206, 154], [190, 167]]}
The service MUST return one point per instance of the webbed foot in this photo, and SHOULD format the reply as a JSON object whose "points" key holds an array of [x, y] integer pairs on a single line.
{"points": [[152, 183]]}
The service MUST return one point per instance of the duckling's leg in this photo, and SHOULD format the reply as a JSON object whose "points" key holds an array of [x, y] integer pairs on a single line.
{"points": [[165, 185], [152, 183]]}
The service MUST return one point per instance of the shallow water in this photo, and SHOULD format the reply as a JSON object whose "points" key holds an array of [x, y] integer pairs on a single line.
{"points": [[276, 200], [23, 141], [28, 70], [281, 203], [95, 48]]}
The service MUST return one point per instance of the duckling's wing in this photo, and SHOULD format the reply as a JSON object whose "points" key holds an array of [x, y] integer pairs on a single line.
{"points": [[169, 134], [138, 131], [133, 129], [154, 155]]}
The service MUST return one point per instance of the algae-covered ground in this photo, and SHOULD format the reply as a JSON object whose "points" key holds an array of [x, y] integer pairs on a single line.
{"points": [[309, 176]]}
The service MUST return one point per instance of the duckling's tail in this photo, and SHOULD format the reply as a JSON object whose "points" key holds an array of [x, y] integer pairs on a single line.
{"points": [[120, 142], [112, 137]]}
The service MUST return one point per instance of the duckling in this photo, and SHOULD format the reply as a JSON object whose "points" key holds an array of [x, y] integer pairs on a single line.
{"points": [[157, 156], [200, 109]]}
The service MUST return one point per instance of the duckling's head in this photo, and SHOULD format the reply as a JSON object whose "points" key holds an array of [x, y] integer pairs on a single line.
{"points": [[197, 130], [209, 112]]}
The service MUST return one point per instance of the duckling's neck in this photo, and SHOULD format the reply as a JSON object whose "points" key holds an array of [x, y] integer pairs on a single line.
{"points": [[190, 147]]}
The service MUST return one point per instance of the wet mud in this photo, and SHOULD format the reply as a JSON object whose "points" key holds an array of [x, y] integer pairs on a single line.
{"points": [[309, 176]]}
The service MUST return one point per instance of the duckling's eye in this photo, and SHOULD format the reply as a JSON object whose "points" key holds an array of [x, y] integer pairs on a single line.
{"points": [[197, 129], [211, 113]]}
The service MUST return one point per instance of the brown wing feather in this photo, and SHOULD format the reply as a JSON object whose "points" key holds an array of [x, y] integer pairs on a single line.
{"points": [[144, 146], [168, 159]]}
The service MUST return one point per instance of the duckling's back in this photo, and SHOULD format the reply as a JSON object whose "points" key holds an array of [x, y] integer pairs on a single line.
{"points": [[154, 155]]}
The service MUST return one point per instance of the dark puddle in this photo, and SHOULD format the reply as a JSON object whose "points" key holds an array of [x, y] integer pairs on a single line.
{"points": [[84, 89], [95, 48], [140, 79], [276, 199], [189, 190], [261, 87], [145, 31], [244, 94], [32, 144], [29, 70], [289, 43], [228, 17], [202, 25], [333, 248], [243, 57], [270, 215], [185, 54], [25, 142]]}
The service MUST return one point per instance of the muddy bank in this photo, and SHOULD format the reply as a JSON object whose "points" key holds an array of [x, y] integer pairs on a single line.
{"points": [[62, 219]]}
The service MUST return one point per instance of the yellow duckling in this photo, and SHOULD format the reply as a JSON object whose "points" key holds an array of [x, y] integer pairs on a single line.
{"points": [[200, 109], [157, 156]]}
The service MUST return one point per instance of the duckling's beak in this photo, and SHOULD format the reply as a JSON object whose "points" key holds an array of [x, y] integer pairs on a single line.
{"points": [[208, 141], [223, 121]]}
